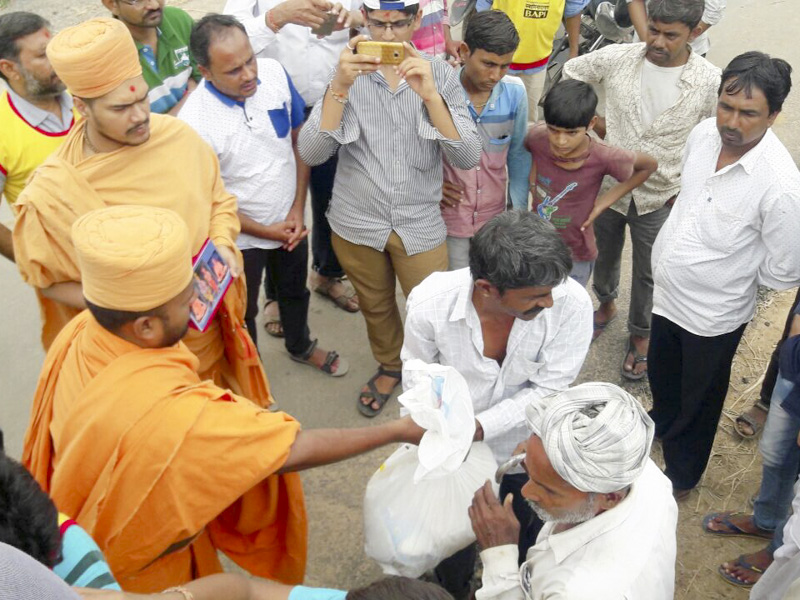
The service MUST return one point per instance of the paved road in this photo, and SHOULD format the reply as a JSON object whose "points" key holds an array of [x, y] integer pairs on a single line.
{"points": [[334, 494]]}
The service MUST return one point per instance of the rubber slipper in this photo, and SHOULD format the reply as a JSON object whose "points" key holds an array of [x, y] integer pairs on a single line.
{"points": [[374, 395], [733, 529], [746, 418], [738, 582], [637, 360], [599, 328]]}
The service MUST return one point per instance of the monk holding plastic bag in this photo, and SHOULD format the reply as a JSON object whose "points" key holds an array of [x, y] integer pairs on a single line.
{"points": [[415, 508]]}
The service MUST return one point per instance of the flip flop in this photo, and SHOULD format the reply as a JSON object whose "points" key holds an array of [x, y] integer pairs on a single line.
{"points": [[374, 395], [746, 418], [738, 582], [599, 328], [733, 529], [272, 324], [637, 360]]}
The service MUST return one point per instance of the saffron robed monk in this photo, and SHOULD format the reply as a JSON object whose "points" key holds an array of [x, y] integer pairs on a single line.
{"points": [[161, 467], [120, 154]]}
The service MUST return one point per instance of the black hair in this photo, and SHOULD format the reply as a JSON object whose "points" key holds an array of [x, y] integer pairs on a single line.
{"points": [[411, 11], [113, 320], [16, 25], [491, 31], [570, 104], [688, 12], [518, 249], [399, 588], [773, 76], [205, 29], [28, 518]]}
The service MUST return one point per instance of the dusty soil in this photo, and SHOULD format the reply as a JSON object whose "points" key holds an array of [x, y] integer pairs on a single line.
{"points": [[334, 494]]}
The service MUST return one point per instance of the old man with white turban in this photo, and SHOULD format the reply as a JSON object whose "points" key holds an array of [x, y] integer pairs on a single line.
{"points": [[610, 518]]}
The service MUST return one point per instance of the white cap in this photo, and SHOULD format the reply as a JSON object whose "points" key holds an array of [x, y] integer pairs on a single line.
{"points": [[389, 4]]}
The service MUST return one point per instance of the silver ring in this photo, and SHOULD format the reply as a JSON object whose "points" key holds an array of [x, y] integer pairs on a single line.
{"points": [[352, 48], [360, 72]]}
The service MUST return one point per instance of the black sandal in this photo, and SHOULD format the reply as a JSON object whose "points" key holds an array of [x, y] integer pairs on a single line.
{"points": [[327, 366], [374, 395]]}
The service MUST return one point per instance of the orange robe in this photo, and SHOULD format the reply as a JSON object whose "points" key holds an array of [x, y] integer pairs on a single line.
{"points": [[174, 169], [160, 467]]}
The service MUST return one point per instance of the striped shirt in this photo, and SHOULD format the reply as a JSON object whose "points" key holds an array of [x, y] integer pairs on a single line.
{"points": [[389, 176], [82, 563], [429, 38]]}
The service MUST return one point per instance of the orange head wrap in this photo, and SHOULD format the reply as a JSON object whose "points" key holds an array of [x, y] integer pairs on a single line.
{"points": [[132, 258], [95, 57]]}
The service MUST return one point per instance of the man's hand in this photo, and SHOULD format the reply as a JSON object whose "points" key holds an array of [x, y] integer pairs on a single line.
{"points": [[418, 74], [229, 256], [295, 228], [346, 18], [308, 13], [452, 195], [352, 65], [671, 201], [494, 524], [411, 432], [592, 216]]}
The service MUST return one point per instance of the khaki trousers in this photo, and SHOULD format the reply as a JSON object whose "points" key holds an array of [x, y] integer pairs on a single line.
{"points": [[372, 274], [534, 85]]}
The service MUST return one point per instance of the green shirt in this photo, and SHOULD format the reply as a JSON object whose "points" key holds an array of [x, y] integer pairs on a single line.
{"points": [[168, 73]]}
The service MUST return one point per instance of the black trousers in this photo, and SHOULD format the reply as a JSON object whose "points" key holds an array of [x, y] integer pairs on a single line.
{"points": [[771, 375], [286, 271], [455, 572], [689, 377]]}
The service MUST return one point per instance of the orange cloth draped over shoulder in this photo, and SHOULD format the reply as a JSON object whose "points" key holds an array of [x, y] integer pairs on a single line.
{"points": [[160, 467], [174, 169]]}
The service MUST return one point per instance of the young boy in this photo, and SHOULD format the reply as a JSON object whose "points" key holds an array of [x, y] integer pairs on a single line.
{"points": [[569, 166], [498, 104]]}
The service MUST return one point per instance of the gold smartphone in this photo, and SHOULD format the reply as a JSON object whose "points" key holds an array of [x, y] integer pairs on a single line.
{"points": [[390, 53]]}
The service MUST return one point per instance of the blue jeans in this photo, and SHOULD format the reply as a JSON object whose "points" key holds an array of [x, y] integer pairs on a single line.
{"points": [[781, 456]]}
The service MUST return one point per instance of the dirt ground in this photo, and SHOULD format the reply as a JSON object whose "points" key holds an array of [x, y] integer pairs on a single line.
{"points": [[334, 494]]}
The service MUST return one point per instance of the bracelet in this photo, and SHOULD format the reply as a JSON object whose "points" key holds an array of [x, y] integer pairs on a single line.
{"points": [[187, 595], [338, 97], [271, 22]]}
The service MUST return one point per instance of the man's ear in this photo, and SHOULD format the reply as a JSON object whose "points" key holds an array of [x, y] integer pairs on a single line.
{"points": [[592, 123], [81, 106], [204, 72], [463, 51], [772, 117], [112, 6], [9, 69], [485, 288], [147, 329], [609, 501]]}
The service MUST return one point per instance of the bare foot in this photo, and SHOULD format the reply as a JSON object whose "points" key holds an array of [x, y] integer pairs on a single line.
{"points": [[384, 384], [640, 345], [761, 560]]}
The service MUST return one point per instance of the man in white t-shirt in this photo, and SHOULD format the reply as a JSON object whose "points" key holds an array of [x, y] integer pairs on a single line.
{"points": [[656, 92], [284, 30], [250, 113]]}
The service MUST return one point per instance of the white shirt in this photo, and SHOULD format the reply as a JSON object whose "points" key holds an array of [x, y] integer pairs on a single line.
{"points": [[618, 68], [660, 90], [308, 60], [728, 232], [626, 553], [253, 142], [543, 355]]}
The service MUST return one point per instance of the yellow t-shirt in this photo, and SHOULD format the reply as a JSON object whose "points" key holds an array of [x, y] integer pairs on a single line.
{"points": [[537, 22], [23, 147]]}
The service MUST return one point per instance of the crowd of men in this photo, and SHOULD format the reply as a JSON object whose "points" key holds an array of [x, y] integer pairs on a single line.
{"points": [[151, 444]]}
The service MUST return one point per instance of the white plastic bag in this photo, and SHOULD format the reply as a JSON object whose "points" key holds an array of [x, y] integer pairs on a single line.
{"points": [[438, 400], [410, 526]]}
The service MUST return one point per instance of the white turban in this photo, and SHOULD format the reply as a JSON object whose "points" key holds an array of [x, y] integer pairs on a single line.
{"points": [[596, 435]]}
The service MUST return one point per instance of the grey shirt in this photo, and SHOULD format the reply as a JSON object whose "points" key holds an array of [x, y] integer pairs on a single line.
{"points": [[389, 176]]}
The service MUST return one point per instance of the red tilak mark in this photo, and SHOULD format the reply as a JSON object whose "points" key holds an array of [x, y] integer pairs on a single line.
{"points": [[133, 88]]}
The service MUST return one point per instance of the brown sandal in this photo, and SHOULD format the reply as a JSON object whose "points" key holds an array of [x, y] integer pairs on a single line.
{"points": [[346, 301], [272, 323]]}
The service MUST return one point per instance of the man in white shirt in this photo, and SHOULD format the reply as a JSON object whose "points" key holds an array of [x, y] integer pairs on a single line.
{"points": [[655, 93], [248, 110], [610, 519], [733, 227], [517, 327], [284, 30]]}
